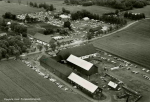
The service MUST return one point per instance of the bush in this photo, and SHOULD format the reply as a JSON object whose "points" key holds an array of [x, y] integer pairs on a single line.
{"points": [[48, 31]]}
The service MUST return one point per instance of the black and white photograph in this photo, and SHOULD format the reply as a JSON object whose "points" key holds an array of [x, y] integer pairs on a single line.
{"points": [[74, 50]]}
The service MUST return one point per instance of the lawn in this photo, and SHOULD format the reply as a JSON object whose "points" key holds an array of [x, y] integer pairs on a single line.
{"points": [[16, 8], [132, 43], [39, 27], [19, 81]]}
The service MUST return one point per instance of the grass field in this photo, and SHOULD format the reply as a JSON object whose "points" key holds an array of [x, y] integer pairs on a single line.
{"points": [[19, 81], [59, 5], [132, 43], [16, 8], [145, 10]]}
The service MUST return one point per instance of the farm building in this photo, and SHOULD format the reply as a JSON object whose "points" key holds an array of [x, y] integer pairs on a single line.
{"points": [[42, 39], [59, 69], [82, 66], [113, 85], [83, 52], [85, 86]]}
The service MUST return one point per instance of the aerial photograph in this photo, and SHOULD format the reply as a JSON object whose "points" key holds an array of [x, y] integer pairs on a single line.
{"points": [[74, 50]]}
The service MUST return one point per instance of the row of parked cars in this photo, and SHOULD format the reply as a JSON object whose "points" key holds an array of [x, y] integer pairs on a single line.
{"points": [[146, 77], [46, 76]]}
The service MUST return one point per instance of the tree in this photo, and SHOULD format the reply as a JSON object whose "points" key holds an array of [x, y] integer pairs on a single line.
{"points": [[31, 4], [51, 7], [89, 36], [7, 56], [40, 47], [53, 44], [35, 4], [19, 1], [67, 24], [46, 19], [66, 1], [46, 47]]}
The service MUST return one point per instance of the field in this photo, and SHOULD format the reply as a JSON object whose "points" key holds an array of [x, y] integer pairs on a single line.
{"points": [[132, 43], [16, 8], [134, 81], [59, 5], [143, 10], [19, 81]]}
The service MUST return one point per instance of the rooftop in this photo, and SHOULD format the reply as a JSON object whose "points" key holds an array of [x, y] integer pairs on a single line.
{"points": [[77, 51], [56, 65], [42, 37], [80, 62], [82, 82]]}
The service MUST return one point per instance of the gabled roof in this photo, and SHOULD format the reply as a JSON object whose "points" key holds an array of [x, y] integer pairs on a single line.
{"points": [[77, 51], [56, 65], [82, 82], [42, 37], [79, 62]]}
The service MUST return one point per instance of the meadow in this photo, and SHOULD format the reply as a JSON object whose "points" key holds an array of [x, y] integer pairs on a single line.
{"points": [[19, 81], [15, 8], [59, 4], [131, 44]]}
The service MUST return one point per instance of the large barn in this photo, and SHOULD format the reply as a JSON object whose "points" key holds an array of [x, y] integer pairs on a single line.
{"points": [[84, 51], [82, 66], [86, 86], [59, 69]]}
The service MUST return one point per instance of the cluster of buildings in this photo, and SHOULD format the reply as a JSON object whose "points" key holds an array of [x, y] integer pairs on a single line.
{"points": [[45, 39], [70, 66]]}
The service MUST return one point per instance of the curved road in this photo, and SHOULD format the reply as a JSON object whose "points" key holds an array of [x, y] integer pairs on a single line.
{"points": [[125, 27]]}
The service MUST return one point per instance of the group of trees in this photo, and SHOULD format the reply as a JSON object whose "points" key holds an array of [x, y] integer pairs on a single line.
{"points": [[12, 44], [117, 4], [30, 19], [134, 16], [113, 19], [3, 25], [15, 28], [47, 7], [19, 29], [61, 31], [81, 14], [9, 15]]}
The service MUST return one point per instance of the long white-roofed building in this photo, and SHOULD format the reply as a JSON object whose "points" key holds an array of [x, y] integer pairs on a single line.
{"points": [[85, 85], [82, 66]]}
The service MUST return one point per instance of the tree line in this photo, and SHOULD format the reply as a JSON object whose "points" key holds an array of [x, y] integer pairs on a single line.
{"points": [[113, 19], [47, 7], [134, 16], [117, 4]]}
